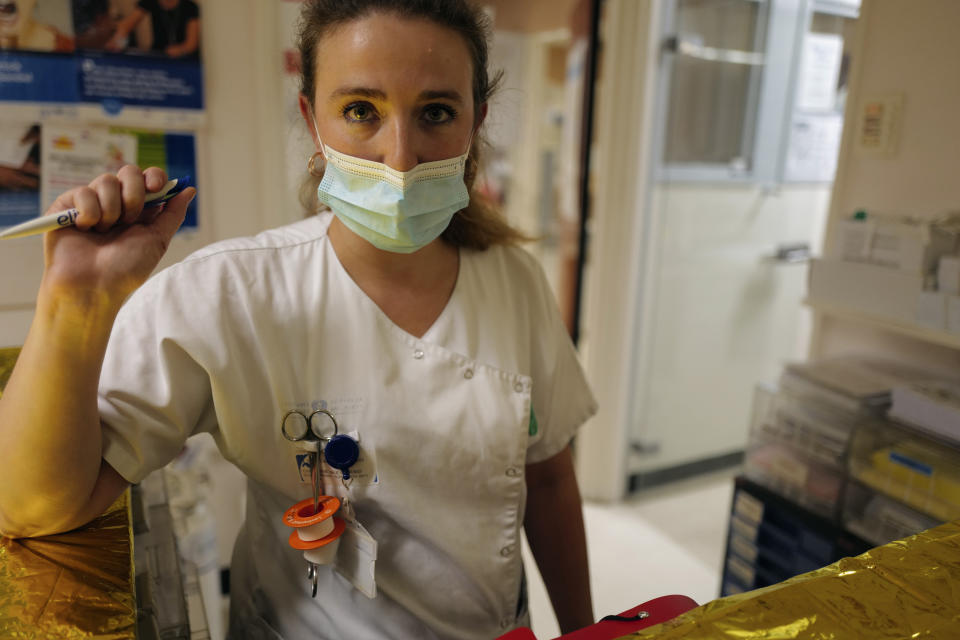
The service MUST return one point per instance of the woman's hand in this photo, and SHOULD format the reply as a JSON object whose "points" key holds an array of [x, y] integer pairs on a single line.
{"points": [[117, 242]]}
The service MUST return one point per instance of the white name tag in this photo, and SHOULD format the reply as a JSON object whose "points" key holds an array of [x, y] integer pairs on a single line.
{"points": [[357, 558]]}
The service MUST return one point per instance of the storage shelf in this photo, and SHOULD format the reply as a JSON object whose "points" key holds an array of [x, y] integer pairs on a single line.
{"points": [[918, 332]]}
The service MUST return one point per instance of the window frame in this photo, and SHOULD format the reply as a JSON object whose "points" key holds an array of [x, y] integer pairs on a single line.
{"points": [[787, 23]]}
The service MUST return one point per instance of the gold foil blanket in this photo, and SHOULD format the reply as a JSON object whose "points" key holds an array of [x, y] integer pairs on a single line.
{"points": [[72, 585], [906, 589]]}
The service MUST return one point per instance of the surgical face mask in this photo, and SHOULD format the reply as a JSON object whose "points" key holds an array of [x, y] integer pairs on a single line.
{"points": [[399, 211]]}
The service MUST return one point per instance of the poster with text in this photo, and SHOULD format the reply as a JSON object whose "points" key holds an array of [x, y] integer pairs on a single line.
{"points": [[73, 155], [114, 53], [19, 171]]}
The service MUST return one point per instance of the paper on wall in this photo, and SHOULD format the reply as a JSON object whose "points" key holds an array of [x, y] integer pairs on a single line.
{"points": [[72, 156], [814, 147], [819, 72]]}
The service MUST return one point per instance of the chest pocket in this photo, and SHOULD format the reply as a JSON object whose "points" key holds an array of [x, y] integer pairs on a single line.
{"points": [[450, 422]]}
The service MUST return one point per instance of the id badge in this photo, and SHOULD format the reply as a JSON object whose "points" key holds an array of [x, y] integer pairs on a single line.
{"points": [[357, 558]]}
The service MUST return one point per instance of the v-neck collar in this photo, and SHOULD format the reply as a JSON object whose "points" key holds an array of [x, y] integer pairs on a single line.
{"points": [[437, 323]]}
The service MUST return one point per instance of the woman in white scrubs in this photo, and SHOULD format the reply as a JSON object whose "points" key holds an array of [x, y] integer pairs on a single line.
{"points": [[404, 308]]}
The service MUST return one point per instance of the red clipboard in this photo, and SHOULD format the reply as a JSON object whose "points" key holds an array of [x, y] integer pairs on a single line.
{"points": [[639, 617]]}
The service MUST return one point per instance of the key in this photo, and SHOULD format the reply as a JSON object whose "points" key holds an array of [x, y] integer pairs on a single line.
{"points": [[312, 573]]}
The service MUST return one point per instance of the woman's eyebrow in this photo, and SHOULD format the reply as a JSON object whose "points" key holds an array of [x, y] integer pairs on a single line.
{"points": [[365, 92], [377, 94], [435, 95]]}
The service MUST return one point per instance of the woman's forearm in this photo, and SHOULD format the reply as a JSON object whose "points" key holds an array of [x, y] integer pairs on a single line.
{"points": [[52, 477], [129, 23], [554, 528], [192, 42], [50, 438]]}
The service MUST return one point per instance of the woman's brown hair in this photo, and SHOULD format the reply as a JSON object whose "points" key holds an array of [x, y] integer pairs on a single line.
{"points": [[479, 225]]}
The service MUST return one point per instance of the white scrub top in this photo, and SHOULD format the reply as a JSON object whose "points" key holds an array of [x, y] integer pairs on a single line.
{"points": [[243, 331]]}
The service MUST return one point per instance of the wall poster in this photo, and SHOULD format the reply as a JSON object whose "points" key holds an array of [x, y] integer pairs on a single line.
{"points": [[107, 56]]}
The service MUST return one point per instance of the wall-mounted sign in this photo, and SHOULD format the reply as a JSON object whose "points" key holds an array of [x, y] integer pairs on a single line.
{"points": [[113, 53]]}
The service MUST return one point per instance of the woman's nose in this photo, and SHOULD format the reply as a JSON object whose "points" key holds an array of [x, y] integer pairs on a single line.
{"points": [[400, 151]]}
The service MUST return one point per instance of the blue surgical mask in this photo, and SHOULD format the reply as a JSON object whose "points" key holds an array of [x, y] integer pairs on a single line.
{"points": [[399, 211]]}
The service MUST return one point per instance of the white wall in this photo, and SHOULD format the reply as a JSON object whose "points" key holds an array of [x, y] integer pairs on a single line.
{"points": [[239, 152], [910, 48]]}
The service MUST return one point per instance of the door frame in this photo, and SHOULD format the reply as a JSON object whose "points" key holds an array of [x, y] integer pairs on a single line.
{"points": [[619, 270], [617, 258]]}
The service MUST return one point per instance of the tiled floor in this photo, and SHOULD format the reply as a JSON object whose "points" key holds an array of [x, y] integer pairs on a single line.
{"points": [[665, 541]]}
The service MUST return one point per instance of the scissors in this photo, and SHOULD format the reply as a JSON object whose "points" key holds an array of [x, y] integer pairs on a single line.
{"points": [[297, 426], [312, 430]]}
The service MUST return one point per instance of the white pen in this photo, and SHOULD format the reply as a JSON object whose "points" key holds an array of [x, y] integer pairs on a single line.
{"points": [[68, 217]]}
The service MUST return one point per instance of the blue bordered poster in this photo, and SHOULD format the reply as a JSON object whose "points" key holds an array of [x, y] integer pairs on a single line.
{"points": [[99, 56], [138, 52]]}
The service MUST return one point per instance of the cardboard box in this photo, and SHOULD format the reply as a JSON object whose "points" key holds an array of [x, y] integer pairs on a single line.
{"points": [[948, 275], [932, 310], [910, 246], [953, 314], [881, 291]]}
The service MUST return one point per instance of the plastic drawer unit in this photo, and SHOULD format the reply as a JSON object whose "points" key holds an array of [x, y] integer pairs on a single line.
{"points": [[771, 539], [798, 447], [910, 467], [879, 519]]}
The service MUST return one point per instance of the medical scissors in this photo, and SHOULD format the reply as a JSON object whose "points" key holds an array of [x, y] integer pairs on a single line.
{"points": [[312, 430]]}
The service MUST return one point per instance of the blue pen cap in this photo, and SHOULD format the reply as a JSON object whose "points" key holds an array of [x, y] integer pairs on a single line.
{"points": [[182, 183]]}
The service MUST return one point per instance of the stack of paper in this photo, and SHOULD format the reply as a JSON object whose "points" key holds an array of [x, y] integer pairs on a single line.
{"points": [[932, 406], [851, 382]]}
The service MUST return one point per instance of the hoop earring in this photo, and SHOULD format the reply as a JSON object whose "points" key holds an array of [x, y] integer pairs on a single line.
{"points": [[312, 169]]}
